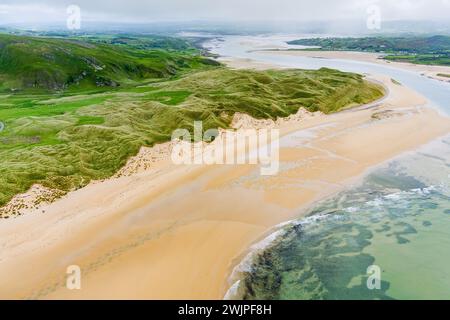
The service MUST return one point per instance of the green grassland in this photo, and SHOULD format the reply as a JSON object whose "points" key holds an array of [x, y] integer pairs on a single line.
{"points": [[428, 50], [61, 64], [63, 140]]}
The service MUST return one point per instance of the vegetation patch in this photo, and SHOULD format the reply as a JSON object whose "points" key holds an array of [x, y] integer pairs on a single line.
{"points": [[54, 64]]}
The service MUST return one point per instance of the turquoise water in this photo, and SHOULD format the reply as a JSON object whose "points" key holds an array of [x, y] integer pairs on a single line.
{"points": [[398, 219]]}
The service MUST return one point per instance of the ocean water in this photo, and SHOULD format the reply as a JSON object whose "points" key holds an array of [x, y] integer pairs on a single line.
{"points": [[397, 219]]}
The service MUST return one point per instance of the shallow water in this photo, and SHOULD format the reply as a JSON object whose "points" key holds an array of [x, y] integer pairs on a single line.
{"points": [[398, 219]]}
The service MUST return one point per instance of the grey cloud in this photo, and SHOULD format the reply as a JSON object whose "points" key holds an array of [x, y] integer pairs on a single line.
{"points": [[163, 10]]}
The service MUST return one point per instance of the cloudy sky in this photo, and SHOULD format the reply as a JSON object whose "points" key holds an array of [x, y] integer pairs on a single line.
{"points": [[29, 11]]}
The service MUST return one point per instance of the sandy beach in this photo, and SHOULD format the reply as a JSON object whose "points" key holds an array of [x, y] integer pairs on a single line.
{"points": [[176, 232]]}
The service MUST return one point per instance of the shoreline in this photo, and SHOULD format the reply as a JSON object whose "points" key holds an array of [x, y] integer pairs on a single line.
{"points": [[268, 240], [156, 235]]}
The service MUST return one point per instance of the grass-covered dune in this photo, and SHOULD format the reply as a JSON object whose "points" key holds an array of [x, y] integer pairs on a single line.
{"points": [[60, 64], [64, 142], [430, 50]]}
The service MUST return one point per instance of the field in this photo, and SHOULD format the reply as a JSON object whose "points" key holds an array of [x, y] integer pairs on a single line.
{"points": [[65, 138]]}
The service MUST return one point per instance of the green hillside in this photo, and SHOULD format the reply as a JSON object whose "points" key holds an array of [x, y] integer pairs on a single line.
{"points": [[144, 42], [57, 64]]}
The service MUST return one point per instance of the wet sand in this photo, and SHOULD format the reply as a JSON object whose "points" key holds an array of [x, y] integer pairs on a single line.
{"points": [[176, 232]]}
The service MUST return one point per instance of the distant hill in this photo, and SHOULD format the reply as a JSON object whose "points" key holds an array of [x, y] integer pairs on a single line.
{"points": [[144, 42], [57, 64], [416, 49]]}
